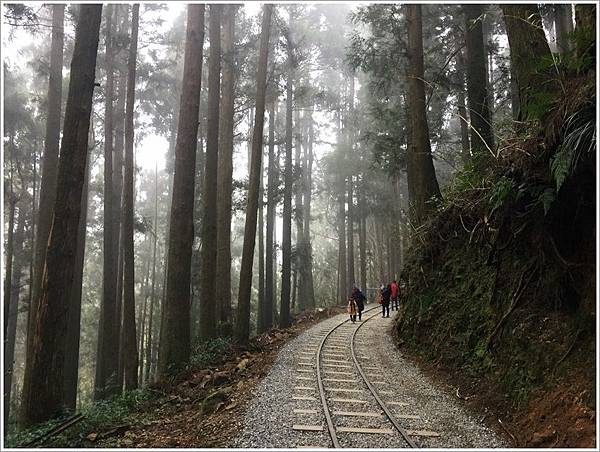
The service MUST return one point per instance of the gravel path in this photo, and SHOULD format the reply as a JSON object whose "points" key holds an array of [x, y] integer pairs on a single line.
{"points": [[289, 395]]}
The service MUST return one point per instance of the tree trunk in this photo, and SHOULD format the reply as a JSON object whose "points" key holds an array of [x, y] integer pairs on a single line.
{"points": [[74, 329], [298, 292], [286, 266], [585, 24], [267, 321], [119, 126], [462, 109], [43, 382], [422, 181], [350, 141], [307, 174], [528, 47], [208, 254], [564, 26], [362, 239], [106, 365], [49, 168], [149, 346], [14, 261], [243, 314], [175, 329], [261, 245], [482, 137], [225, 168]]}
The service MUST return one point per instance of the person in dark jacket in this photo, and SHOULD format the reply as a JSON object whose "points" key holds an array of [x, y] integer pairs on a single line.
{"points": [[359, 298], [385, 299]]}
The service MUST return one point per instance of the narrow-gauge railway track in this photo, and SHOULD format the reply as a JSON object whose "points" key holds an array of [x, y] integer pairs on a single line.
{"points": [[338, 370]]}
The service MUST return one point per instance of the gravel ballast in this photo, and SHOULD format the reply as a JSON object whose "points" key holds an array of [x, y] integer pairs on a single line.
{"points": [[292, 385]]}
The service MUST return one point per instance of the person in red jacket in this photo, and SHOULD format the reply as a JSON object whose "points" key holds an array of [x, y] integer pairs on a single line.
{"points": [[394, 295]]}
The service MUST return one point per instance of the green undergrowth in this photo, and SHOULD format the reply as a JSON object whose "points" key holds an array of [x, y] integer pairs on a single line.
{"points": [[117, 411], [502, 276]]}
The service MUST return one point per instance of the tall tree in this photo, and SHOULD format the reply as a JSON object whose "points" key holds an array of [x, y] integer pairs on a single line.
{"points": [[349, 135], [11, 298], [462, 108], [108, 345], [225, 167], [149, 346], [286, 265], [130, 347], [482, 137], [208, 254], [422, 181], [267, 321], [43, 382], [243, 314], [309, 290], [528, 49], [341, 217], [71, 375], [563, 24], [49, 167], [175, 331]]}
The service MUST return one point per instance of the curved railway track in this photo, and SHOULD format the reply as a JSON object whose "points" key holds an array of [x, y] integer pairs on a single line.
{"points": [[340, 337]]}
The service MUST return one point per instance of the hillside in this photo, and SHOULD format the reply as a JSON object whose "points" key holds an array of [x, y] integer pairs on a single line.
{"points": [[502, 279]]}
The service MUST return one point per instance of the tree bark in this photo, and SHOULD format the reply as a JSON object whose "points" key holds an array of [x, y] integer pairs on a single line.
{"points": [[267, 321], [422, 181], [175, 329], [307, 174], [243, 314], [73, 328], [482, 137], [14, 261], [43, 382], [286, 265], [362, 240], [298, 292], [585, 24], [462, 109], [49, 167], [149, 346], [225, 168], [119, 126], [564, 26], [208, 254], [528, 47], [108, 345], [130, 344]]}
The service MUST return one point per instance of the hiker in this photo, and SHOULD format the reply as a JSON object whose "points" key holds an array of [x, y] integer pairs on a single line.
{"points": [[385, 300], [352, 309], [394, 294], [359, 298]]}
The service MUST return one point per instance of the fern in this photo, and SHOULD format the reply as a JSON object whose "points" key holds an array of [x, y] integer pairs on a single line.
{"points": [[579, 140]]}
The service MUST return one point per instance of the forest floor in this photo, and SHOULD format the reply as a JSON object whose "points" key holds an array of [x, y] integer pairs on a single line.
{"points": [[202, 408]]}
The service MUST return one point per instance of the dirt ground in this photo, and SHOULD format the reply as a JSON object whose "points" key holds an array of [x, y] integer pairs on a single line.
{"points": [[202, 409], [553, 418]]}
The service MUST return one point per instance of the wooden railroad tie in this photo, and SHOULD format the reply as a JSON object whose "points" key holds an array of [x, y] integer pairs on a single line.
{"points": [[307, 428], [376, 431], [304, 388], [348, 400], [303, 398], [300, 411], [427, 433], [357, 413], [342, 390]]}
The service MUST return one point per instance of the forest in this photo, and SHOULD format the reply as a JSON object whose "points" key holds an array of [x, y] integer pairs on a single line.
{"points": [[182, 178]]}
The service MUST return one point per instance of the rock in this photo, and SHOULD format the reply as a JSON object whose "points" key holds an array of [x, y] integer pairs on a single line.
{"points": [[220, 377], [243, 364], [214, 399], [92, 437]]}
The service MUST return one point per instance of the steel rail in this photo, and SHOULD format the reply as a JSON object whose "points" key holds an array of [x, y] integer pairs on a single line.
{"points": [[373, 390], [330, 426]]}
